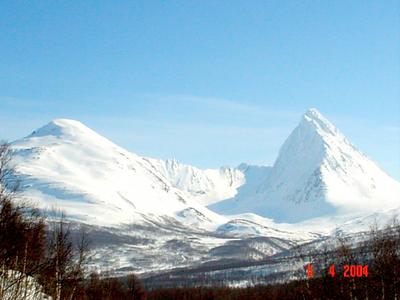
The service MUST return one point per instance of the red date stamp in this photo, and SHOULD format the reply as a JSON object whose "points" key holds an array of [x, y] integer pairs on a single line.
{"points": [[355, 271], [349, 271]]}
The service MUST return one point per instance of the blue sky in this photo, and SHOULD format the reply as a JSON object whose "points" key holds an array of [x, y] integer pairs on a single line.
{"points": [[207, 82]]}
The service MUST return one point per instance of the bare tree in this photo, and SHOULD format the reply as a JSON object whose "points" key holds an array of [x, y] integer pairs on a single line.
{"points": [[26, 259], [64, 274], [22, 234], [8, 183], [135, 288]]}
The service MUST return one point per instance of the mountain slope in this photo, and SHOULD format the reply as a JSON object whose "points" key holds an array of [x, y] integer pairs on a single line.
{"points": [[317, 172], [204, 186], [142, 213], [66, 164], [145, 214]]}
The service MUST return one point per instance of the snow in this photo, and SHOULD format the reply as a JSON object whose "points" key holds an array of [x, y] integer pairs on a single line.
{"points": [[318, 172], [17, 285], [205, 186], [160, 214], [67, 165]]}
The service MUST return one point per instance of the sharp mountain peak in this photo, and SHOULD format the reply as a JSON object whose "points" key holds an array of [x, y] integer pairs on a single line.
{"points": [[313, 120]]}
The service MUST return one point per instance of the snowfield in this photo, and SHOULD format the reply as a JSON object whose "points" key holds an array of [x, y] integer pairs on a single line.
{"points": [[20, 286], [146, 215]]}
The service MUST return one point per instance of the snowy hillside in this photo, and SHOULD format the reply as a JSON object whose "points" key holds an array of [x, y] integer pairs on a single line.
{"points": [[318, 172], [141, 212], [146, 215], [67, 165]]}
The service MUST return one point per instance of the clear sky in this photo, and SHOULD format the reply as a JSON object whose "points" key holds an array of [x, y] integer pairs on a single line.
{"points": [[207, 82]]}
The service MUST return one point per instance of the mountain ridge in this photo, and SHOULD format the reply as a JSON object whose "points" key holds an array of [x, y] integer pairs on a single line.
{"points": [[151, 213], [315, 163], [67, 163], [317, 172]]}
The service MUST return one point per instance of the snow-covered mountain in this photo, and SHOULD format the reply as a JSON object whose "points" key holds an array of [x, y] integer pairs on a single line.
{"points": [[142, 213], [204, 186], [318, 172], [68, 166], [146, 214]]}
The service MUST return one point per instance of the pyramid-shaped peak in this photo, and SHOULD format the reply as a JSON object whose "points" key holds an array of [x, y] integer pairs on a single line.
{"points": [[313, 113], [313, 119]]}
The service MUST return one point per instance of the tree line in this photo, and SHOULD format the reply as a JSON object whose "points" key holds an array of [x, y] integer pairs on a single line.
{"points": [[367, 269]]}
